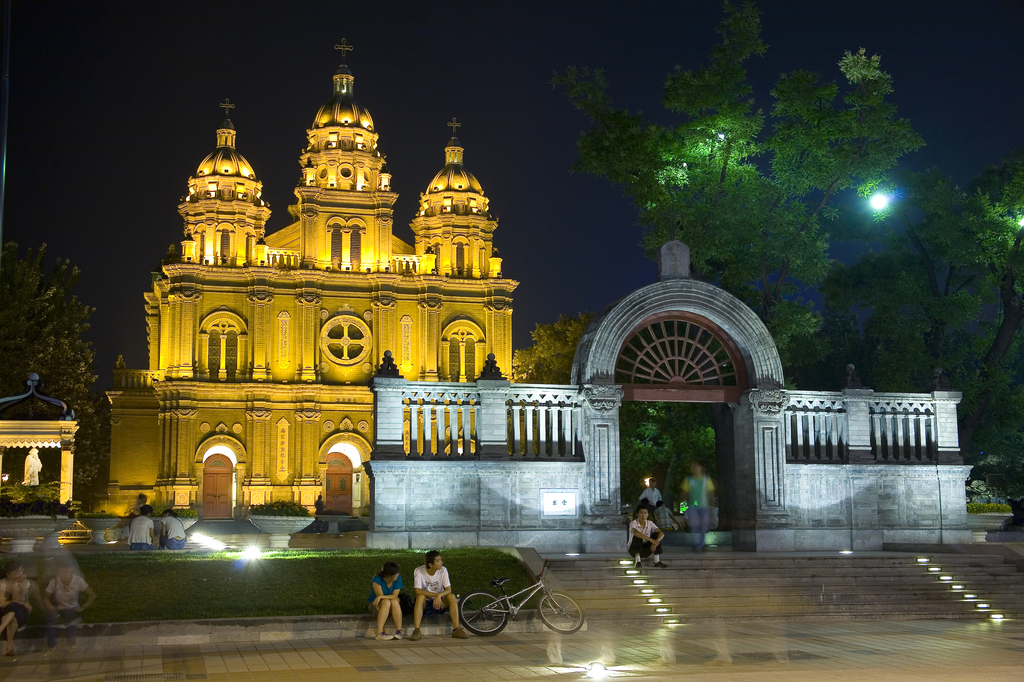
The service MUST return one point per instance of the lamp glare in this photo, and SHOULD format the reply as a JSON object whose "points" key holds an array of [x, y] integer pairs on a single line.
{"points": [[879, 201]]}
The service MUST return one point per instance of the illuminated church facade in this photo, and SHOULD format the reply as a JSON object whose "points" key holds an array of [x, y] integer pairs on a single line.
{"points": [[262, 345]]}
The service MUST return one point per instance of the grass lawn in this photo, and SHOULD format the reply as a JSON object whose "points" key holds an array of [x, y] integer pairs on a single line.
{"points": [[177, 585]]}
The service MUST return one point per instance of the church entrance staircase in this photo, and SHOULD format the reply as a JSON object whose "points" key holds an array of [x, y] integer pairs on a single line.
{"points": [[796, 587]]}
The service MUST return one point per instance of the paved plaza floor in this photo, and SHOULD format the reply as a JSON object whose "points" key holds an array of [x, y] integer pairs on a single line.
{"points": [[911, 650]]}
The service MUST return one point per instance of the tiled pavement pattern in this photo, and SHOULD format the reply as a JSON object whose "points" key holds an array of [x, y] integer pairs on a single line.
{"points": [[909, 650]]}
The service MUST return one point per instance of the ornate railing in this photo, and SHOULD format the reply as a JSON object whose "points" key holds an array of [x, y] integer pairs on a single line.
{"points": [[440, 419], [878, 427], [129, 379], [543, 421]]}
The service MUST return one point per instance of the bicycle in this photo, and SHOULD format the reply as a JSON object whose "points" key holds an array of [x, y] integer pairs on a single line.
{"points": [[485, 614]]}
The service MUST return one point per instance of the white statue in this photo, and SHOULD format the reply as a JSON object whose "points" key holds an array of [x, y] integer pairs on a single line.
{"points": [[32, 467]]}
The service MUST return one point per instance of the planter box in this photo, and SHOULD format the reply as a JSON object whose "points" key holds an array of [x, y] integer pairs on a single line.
{"points": [[23, 531], [99, 528]]}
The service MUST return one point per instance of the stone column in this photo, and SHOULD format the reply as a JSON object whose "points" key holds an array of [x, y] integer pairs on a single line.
{"points": [[306, 480], [430, 310], [384, 325], [308, 236], [953, 503], [762, 521], [67, 460], [184, 308], [309, 332], [260, 441], [947, 430], [388, 418], [260, 300], [600, 435], [492, 419], [858, 425]]}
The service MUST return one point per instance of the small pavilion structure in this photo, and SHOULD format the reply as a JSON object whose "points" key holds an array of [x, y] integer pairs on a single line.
{"points": [[42, 433]]}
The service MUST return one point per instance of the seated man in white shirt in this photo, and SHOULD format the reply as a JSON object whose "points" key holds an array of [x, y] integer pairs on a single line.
{"points": [[651, 496], [140, 530], [172, 535], [434, 595], [645, 539]]}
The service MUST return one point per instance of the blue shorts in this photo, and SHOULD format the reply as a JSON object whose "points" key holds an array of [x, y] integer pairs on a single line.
{"points": [[140, 545], [429, 610]]}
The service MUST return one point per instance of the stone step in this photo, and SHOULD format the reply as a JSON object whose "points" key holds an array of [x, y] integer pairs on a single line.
{"points": [[1003, 593], [919, 607], [772, 563], [695, 618]]}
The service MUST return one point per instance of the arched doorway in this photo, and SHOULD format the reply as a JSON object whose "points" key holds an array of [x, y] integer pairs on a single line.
{"points": [[218, 491], [684, 340], [338, 484]]}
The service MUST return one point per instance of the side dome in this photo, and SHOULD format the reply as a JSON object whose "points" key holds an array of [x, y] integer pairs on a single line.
{"points": [[225, 160], [453, 177], [342, 109]]}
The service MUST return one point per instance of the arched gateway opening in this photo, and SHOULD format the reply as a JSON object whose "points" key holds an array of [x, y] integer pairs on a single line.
{"points": [[682, 340]]}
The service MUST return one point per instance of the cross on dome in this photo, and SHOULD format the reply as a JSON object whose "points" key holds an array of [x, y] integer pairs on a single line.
{"points": [[344, 47], [454, 125], [226, 105]]}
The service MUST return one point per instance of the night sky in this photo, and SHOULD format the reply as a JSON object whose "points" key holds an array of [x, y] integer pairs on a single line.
{"points": [[113, 106]]}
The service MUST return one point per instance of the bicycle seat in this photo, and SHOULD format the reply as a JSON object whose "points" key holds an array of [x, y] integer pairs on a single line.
{"points": [[498, 582]]}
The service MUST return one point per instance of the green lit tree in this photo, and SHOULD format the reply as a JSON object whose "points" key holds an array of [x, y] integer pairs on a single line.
{"points": [[752, 194]]}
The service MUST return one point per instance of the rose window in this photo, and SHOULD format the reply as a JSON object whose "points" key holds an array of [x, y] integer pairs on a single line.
{"points": [[345, 340]]}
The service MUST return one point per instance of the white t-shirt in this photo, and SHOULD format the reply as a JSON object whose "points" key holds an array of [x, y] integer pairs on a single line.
{"points": [[138, 531], [652, 495], [66, 596], [435, 584], [649, 529], [175, 528]]}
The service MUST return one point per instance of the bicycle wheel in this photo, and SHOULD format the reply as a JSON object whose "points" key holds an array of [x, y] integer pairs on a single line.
{"points": [[561, 613], [483, 614]]}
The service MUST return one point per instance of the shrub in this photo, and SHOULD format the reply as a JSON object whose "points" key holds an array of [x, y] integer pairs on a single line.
{"points": [[10, 509], [987, 508], [182, 512], [279, 508], [95, 515], [46, 492]]}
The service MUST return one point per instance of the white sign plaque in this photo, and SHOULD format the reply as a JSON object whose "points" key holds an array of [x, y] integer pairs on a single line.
{"points": [[558, 502]]}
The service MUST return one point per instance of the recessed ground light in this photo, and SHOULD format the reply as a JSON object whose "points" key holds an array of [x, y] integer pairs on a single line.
{"points": [[573, 554], [957, 587], [662, 609], [945, 577], [625, 562], [996, 616], [639, 581], [671, 621], [982, 606], [923, 560], [934, 569], [654, 600], [846, 551], [647, 591], [632, 571]]}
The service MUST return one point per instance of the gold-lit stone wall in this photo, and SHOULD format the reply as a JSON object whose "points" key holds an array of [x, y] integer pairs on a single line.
{"points": [[262, 346]]}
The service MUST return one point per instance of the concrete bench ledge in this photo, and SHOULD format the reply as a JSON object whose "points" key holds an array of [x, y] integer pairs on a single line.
{"points": [[219, 630]]}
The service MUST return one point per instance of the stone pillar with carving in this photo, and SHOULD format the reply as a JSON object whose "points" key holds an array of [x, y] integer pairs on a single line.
{"points": [[947, 430], [762, 520], [388, 418], [308, 236], [309, 333], [598, 431], [306, 482], [499, 331], [492, 420], [260, 301], [184, 310], [858, 425], [180, 429], [430, 312], [384, 324], [259, 455]]}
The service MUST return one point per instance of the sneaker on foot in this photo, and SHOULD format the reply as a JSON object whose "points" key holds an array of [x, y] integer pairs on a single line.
{"points": [[416, 635], [398, 634], [459, 633], [660, 564], [383, 637], [637, 563]]}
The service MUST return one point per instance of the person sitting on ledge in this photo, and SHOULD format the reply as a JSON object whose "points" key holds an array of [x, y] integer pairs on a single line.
{"points": [[663, 517], [386, 586], [16, 596], [140, 532], [1015, 522], [172, 532], [645, 539], [434, 595]]}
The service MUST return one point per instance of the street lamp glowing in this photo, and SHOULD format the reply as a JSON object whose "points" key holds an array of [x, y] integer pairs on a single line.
{"points": [[1020, 222], [879, 201]]}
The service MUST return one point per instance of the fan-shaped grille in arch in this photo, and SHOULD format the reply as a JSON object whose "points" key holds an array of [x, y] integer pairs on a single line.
{"points": [[675, 352]]}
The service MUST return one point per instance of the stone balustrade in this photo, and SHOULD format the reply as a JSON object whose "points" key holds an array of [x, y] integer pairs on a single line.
{"points": [[135, 379]]}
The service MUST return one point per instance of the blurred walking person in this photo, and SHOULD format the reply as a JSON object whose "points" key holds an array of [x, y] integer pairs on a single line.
{"points": [[699, 493], [62, 604]]}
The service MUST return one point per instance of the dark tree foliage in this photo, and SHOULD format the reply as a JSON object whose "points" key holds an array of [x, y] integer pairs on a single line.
{"points": [[41, 328], [755, 206], [549, 359], [945, 291]]}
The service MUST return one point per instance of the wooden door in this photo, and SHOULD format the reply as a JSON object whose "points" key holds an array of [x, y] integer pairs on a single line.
{"points": [[338, 486], [217, 488]]}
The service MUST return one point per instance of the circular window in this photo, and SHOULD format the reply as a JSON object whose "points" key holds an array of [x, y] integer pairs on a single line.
{"points": [[345, 340], [323, 173], [346, 172]]}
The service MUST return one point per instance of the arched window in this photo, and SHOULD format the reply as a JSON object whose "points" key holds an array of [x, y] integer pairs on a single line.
{"points": [[225, 246], [356, 248], [462, 341], [335, 246], [460, 259], [202, 248], [213, 356], [231, 355]]}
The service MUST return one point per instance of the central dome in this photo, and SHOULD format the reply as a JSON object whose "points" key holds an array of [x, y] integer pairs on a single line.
{"points": [[453, 177], [342, 109]]}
